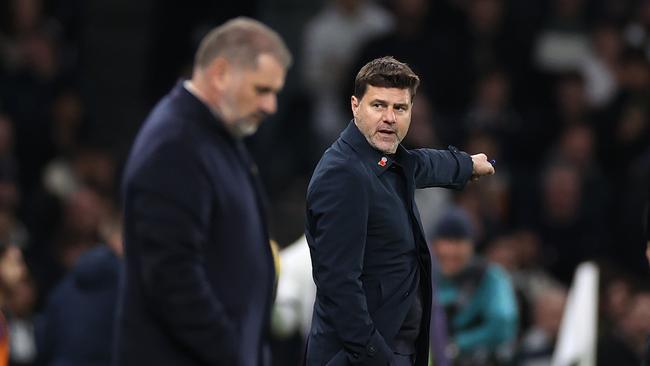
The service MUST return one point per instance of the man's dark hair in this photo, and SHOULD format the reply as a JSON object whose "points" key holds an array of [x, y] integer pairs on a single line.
{"points": [[385, 72]]}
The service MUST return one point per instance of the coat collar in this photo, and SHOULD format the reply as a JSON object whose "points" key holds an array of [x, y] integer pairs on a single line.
{"points": [[200, 110], [377, 160]]}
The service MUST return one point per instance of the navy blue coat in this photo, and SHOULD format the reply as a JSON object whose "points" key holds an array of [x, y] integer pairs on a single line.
{"points": [[198, 281], [364, 263]]}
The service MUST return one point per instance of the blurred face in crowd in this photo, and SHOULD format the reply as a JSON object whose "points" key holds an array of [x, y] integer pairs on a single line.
{"points": [[84, 211], [577, 145], [12, 267], [26, 14], [247, 94], [571, 97], [6, 135], [607, 43], [422, 130], [494, 92], [562, 194], [23, 298], [411, 12], [502, 252], [485, 15], [617, 299], [632, 124], [636, 323], [568, 8], [349, 6], [453, 254], [548, 311], [383, 116]]}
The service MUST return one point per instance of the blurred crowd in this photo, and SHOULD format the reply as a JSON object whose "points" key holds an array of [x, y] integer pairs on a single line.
{"points": [[557, 91]]}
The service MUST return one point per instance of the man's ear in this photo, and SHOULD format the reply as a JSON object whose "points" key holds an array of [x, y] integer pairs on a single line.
{"points": [[218, 73], [354, 103]]}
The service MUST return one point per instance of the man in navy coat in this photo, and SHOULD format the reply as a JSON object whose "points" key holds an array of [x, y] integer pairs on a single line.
{"points": [[198, 280], [371, 263]]}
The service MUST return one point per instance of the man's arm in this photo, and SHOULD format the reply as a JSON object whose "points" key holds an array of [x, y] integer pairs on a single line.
{"points": [[448, 168], [337, 219], [169, 219]]}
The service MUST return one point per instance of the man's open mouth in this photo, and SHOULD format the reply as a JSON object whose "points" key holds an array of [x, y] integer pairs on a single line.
{"points": [[386, 132]]}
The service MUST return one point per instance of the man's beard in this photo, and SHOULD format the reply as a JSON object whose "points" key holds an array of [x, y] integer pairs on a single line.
{"points": [[244, 127], [391, 150]]}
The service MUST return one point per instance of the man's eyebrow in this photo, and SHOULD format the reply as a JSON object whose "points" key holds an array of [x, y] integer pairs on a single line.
{"points": [[264, 89], [385, 103], [380, 101]]}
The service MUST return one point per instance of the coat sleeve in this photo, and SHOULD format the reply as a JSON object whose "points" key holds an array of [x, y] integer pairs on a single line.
{"points": [[441, 168], [169, 208], [337, 218]]}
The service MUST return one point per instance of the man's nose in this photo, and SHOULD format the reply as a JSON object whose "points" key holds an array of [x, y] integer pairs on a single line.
{"points": [[269, 104], [389, 115]]}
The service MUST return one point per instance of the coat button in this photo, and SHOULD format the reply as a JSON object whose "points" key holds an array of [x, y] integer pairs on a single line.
{"points": [[371, 350], [406, 294], [355, 355]]}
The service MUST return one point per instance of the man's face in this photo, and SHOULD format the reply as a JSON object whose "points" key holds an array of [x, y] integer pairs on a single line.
{"points": [[636, 321], [383, 116], [453, 255], [12, 267], [250, 94]]}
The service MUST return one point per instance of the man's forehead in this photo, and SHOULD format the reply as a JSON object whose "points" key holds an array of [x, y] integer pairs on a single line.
{"points": [[267, 72], [393, 95]]}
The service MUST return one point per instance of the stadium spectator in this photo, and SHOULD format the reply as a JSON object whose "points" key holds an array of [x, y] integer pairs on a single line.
{"points": [[538, 342], [626, 343], [77, 325], [13, 274], [478, 297]]}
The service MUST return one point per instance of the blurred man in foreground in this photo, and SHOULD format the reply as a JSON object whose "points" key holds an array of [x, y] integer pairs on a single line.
{"points": [[199, 270]]}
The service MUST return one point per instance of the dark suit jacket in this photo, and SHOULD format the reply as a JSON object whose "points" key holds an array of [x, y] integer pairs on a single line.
{"points": [[198, 281], [364, 264]]}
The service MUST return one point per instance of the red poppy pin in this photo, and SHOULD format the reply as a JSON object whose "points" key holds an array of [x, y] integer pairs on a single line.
{"points": [[383, 161]]}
